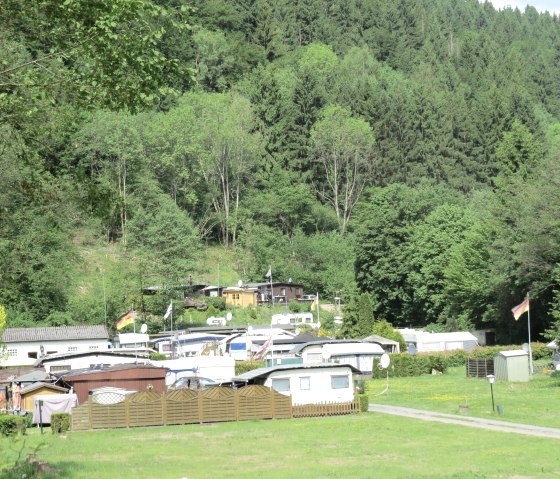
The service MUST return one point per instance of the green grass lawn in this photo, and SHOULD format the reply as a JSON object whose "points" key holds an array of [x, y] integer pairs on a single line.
{"points": [[536, 402], [360, 446], [368, 445]]}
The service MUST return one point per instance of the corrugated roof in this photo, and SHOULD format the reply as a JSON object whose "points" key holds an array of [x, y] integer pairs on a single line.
{"points": [[18, 335], [515, 352], [263, 372]]}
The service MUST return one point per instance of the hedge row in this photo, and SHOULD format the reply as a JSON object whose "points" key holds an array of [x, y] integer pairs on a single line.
{"points": [[12, 425], [425, 363]]}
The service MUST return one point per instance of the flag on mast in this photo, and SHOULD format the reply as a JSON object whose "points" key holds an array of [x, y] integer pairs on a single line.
{"points": [[125, 319], [169, 310], [269, 272], [264, 349], [520, 309], [315, 303]]}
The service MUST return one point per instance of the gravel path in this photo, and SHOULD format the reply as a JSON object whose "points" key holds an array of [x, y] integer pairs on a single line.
{"points": [[491, 424]]}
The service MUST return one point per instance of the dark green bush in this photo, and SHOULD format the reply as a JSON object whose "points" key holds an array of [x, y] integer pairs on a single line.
{"points": [[364, 402], [12, 425], [294, 306], [216, 302], [60, 422]]}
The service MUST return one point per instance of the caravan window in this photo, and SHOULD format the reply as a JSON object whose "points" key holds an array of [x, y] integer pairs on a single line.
{"points": [[305, 383], [339, 382], [281, 384]]}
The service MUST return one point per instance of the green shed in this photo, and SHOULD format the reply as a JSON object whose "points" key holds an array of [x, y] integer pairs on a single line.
{"points": [[512, 366]]}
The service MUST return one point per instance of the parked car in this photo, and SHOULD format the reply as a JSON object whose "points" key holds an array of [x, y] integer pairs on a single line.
{"points": [[194, 382]]}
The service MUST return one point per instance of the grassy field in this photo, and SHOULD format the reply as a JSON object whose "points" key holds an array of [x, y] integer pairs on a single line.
{"points": [[536, 402], [361, 446]]}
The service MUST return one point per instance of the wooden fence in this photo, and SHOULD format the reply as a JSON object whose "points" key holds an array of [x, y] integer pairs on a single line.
{"points": [[186, 406], [326, 409], [479, 368]]}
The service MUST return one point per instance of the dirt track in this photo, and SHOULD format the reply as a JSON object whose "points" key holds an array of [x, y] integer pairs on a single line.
{"points": [[491, 424]]}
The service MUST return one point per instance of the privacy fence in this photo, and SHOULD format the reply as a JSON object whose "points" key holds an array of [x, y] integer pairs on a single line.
{"points": [[191, 407]]}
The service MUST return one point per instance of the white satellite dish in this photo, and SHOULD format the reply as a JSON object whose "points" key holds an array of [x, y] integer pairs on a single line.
{"points": [[144, 328], [240, 283], [384, 361], [229, 316], [525, 347]]}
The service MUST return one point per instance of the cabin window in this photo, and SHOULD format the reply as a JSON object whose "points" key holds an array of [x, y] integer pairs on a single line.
{"points": [[12, 352], [339, 382], [305, 383], [314, 357], [280, 385]]}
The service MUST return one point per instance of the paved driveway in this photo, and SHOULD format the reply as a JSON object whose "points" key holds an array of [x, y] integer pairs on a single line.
{"points": [[467, 421]]}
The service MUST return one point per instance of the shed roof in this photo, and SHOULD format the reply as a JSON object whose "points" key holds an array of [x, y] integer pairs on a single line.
{"points": [[264, 372], [300, 347], [515, 352], [58, 333], [374, 338], [39, 385], [67, 375], [132, 353]]}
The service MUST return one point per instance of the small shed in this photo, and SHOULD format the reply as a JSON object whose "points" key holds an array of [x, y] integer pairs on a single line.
{"points": [[240, 297], [137, 377], [512, 366], [30, 392]]}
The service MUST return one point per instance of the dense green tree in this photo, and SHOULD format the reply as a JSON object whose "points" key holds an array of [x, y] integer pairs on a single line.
{"points": [[342, 147]]}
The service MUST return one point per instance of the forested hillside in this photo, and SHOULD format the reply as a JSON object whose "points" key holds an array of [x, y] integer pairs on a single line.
{"points": [[403, 155]]}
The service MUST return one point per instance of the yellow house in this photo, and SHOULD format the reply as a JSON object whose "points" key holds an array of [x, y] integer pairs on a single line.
{"points": [[240, 297], [28, 393]]}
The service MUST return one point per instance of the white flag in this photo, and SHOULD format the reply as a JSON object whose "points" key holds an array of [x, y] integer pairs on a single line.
{"points": [[169, 310], [264, 349], [269, 273]]}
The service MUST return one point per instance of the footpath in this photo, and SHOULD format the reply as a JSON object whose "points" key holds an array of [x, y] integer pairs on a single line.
{"points": [[476, 422]]}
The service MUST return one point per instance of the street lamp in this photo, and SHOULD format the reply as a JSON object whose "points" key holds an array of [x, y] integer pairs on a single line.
{"points": [[491, 378]]}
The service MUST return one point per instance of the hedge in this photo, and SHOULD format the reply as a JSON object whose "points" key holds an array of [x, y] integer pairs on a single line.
{"points": [[426, 363], [12, 425], [60, 422]]}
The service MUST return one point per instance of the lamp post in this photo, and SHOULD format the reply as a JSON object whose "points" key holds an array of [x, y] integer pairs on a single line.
{"points": [[491, 378]]}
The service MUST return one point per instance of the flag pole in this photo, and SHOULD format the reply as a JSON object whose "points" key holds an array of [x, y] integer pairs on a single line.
{"points": [[529, 331]]}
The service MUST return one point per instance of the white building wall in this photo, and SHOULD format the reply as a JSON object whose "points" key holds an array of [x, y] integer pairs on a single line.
{"points": [[26, 353], [320, 385]]}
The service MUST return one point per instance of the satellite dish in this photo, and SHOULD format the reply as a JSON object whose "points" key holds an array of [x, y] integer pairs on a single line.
{"points": [[240, 283], [384, 361], [411, 349], [144, 328], [229, 316], [525, 347], [250, 329]]}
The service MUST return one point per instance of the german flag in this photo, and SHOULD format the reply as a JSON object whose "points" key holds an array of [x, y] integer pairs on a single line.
{"points": [[520, 309], [125, 319]]}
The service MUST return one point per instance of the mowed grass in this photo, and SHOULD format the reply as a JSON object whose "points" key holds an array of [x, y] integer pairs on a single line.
{"points": [[361, 446], [536, 402]]}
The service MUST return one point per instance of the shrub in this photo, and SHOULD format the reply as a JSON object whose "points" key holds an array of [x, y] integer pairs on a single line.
{"points": [[217, 302], [60, 422], [364, 402], [12, 425], [158, 357], [294, 307], [244, 366]]}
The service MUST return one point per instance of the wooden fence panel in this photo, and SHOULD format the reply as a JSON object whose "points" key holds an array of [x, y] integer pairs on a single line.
{"points": [[145, 409], [218, 404], [211, 405], [107, 416], [255, 402], [182, 407]]}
